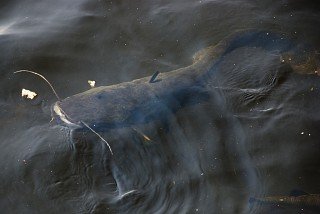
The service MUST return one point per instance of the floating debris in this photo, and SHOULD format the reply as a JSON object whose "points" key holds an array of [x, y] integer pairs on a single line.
{"points": [[145, 137], [28, 94], [92, 83]]}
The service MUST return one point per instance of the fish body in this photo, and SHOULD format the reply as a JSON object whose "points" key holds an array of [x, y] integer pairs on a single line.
{"points": [[154, 98]]}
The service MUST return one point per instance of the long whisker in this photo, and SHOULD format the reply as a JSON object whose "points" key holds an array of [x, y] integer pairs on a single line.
{"points": [[56, 94], [98, 135], [41, 76]]}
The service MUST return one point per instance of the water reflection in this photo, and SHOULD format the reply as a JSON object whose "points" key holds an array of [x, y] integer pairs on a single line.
{"points": [[208, 158]]}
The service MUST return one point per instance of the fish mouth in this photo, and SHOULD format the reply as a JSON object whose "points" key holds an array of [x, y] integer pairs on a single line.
{"points": [[61, 117]]}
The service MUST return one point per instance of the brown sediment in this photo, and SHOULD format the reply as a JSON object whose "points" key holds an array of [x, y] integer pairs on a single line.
{"points": [[308, 200], [302, 64]]}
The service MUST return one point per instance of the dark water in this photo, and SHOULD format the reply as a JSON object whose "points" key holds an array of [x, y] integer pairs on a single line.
{"points": [[208, 158]]}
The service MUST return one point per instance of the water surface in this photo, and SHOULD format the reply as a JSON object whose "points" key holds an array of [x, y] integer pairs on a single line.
{"points": [[208, 158]]}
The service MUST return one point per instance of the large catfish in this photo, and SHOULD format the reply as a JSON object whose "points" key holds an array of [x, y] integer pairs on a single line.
{"points": [[154, 98]]}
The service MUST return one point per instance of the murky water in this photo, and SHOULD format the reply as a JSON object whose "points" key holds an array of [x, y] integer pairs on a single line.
{"points": [[207, 158]]}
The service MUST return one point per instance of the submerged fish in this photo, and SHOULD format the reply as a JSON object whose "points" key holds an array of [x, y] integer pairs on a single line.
{"points": [[154, 98]]}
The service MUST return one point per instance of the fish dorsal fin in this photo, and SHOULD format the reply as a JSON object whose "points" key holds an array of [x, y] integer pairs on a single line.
{"points": [[154, 77], [297, 192]]}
